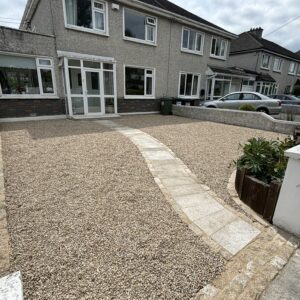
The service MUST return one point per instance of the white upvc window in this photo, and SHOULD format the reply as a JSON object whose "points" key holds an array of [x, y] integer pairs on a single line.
{"points": [[189, 85], [292, 68], [24, 76], [278, 63], [298, 73], [218, 48], [192, 41], [86, 15], [139, 27], [139, 82], [265, 61]]}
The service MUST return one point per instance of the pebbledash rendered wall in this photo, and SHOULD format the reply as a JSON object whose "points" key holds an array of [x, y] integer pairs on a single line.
{"points": [[234, 117], [166, 57], [22, 42]]}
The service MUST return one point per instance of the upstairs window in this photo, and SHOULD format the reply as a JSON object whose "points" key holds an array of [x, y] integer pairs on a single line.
{"points": [[298, 73], [192, 41], [86, 14], [218, 48], [292, 68], [139, 27], [266, 60], [26, 76], [189, 85], [278, 62]]}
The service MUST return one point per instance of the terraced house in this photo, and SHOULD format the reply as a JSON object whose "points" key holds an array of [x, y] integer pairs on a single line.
{"points": [[89, 58], [275, 69]]}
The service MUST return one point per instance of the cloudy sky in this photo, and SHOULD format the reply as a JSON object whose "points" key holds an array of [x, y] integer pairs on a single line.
{"points": [[234, 15]]}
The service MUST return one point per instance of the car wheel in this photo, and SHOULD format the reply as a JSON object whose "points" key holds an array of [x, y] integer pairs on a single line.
{"points": [[262, 109]]}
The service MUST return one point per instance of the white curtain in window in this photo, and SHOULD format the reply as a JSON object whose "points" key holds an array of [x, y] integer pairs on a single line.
{"points": [[71, 8]]}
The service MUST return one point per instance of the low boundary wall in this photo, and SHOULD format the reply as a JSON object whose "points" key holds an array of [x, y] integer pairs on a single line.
{"points": [[234, 117]]}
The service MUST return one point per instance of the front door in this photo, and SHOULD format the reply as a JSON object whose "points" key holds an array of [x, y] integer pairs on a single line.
{"points": [[93, 97]]}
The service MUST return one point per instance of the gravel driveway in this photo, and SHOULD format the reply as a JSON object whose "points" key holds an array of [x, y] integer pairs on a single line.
{"points": [[207, 148], [87, 220]]}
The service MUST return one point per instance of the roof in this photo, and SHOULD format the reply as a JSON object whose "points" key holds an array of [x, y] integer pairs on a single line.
{"points": [[242, 72], [173, 8], [229, 71], [165, 5], [247, 42]]}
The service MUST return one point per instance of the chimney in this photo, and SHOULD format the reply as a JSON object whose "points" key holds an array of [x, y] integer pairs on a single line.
{"points": [[258, 32]]}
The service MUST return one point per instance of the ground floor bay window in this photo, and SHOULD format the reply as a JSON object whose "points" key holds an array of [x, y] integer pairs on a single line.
{"points": [[90, 87], [139, 82], [26, 77]]}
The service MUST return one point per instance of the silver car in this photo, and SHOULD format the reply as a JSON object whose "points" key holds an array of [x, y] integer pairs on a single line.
{"points": [[235, 100]]}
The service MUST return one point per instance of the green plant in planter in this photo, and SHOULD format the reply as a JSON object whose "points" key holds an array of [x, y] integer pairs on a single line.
{"points": [[264, 159], [247, 107]]}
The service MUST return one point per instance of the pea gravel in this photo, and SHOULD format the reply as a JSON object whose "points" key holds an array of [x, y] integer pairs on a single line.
{"points": [[207, 148], [87, 220]]}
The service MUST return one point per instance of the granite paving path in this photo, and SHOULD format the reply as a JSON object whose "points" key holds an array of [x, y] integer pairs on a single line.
{"points": [[192, 199]]}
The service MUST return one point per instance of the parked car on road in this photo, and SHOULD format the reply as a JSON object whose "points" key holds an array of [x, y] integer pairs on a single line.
{"points": [[235, 100], [287, 99]]}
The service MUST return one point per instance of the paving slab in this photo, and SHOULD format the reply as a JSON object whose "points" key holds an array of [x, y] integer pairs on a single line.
{"points": [[286, 286], [11, 287], [215, 221], [194, 200], [158, 154], [235, 236], [175, 181], [186, 189], [199, 212]]}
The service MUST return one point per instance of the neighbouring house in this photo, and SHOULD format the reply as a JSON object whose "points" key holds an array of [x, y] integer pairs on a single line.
{"points": [[275, 69], [89, 58]]}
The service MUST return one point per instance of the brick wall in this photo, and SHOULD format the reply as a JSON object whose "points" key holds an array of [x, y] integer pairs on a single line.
{"points": [[15, 108], [138, 105]]}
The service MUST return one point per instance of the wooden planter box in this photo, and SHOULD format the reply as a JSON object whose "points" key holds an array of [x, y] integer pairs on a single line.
{"points": [[261, 197]]}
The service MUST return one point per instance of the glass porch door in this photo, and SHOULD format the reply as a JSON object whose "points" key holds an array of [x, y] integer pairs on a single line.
{"points": [[94, 101]]}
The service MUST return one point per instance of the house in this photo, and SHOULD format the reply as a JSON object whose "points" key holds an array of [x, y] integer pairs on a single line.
{"points": [[89, 58], [276, 69]]}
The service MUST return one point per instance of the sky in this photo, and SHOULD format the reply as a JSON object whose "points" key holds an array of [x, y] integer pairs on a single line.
{"points": [[233, 15]]}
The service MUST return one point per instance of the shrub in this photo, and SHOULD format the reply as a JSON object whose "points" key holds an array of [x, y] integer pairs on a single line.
{"points": [[264, 159], [247, 107]]}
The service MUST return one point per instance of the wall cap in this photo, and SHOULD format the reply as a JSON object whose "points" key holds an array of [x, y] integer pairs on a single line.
{"points": [[293, 153]]}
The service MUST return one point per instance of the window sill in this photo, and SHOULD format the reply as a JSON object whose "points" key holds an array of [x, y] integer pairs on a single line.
{"points": [[139, 41], [199, 53], [263, 68], [139, 97], [188, 97], [218, 57], [292, 74], [83, 29], [277, 71], [28, 97]]}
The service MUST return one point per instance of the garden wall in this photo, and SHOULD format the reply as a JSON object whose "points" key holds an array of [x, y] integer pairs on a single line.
{"points": [[234, 117]]}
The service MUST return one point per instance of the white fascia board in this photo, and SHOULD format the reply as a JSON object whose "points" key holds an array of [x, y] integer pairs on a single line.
{"points": [[85, 56]]}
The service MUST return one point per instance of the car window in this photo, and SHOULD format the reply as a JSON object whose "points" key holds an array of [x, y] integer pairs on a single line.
{"points": [[285, 98], [248, 96], [232, 97]]}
